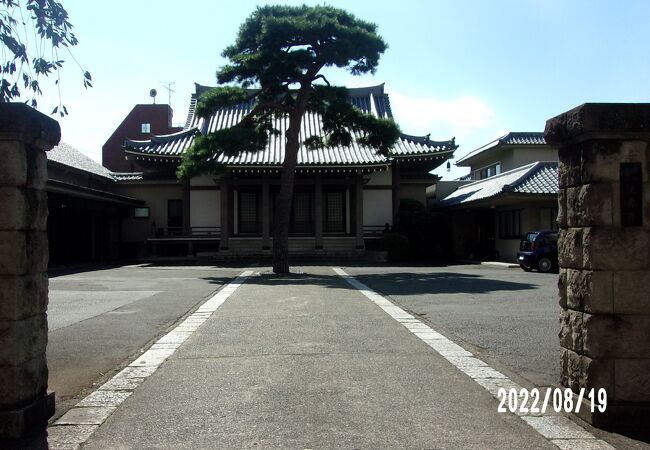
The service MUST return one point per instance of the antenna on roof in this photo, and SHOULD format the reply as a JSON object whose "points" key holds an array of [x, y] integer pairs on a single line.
{"points": [[169, 86], [152, 94]]}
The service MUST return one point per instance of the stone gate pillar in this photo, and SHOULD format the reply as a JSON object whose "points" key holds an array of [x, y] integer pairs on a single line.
{"points": [[604, 253], [25, 404]]}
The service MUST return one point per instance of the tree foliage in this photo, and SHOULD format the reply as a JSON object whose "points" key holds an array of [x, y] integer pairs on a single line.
{"points": [[32, 33], [275, 64]]}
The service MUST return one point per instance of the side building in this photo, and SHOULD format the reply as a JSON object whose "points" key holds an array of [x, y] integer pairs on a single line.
{"points": [[511, 188], [86, 216], [344, 196]]}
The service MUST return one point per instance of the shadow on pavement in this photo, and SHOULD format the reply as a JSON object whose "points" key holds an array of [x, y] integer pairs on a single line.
{"points": [[395, 283]]}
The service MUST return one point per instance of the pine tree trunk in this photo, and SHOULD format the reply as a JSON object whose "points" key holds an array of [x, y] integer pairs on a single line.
{"points": [[282, 216]]}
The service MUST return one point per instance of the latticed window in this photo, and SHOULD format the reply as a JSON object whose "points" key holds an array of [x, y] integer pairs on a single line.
{"points": [[334, 211], [510, 224], [249, 220], [302, 213]]}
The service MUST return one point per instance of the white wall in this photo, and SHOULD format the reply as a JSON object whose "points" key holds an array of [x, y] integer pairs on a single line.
{"points": [[205, 208], [377, 207], [203, 180], [381, 178]]}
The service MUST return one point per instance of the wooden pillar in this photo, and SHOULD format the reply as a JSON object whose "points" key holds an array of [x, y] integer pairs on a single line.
{"points": [[225, 213], [318, 212], [187, 225], [396, 181], [358, 198], [266, 213]]}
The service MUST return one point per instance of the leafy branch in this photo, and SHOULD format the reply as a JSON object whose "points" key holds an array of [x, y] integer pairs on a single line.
{"points": [[32, 33]]}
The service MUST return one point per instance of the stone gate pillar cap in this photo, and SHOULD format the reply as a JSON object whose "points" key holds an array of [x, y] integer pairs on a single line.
{"points": [[23, 123], [604, 120]]}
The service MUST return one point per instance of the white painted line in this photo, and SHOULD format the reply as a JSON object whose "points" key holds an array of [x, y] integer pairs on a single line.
{"points": [[80, 422], [559, 430]]}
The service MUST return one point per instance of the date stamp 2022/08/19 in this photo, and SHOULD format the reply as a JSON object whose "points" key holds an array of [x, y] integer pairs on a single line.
{"points": [[532, 401]]}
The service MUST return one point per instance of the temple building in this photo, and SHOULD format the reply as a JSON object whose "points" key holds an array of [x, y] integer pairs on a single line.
{"points": [[344, 196]]}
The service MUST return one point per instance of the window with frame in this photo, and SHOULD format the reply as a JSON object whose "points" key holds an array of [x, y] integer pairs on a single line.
{"points": [[141, 212], [334, 214], [510, 224], [145, 128], [249, 216], [490, 171]]}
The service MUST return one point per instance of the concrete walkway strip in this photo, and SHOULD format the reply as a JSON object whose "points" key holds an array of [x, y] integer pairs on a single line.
{"points": [[558, 429], [79, 423]]}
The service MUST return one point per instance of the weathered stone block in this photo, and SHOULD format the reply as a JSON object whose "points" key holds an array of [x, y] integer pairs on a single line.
{"points": [[646, 204], [589, 205], [23, 252], [590, 291], [22, 296], [624, 121], [571, 330], [19, 122], [570, 247], [13, 170], [37, 252], [597, 373], [569, 167], [23, 209], [616, 248], [20, 385], [632, 380], [632, 292], [12, 252], [601, 161], [562, 288], [36, 169], [22, 340], [635, 151], [562, 208], [579, 371], [614, 336]]}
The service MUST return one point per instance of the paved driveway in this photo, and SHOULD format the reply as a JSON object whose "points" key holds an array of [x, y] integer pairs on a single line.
{"points": [[508, 316], [100, 319]]}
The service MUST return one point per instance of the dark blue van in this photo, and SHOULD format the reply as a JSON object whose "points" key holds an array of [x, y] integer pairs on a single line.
{"points": [[538, 250]]}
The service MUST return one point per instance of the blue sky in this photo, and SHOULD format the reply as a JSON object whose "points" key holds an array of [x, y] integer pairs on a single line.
{"points": [[470, 69]]}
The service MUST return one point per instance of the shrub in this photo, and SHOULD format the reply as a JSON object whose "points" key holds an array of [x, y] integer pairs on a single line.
{"points": [[396, 244], [410, 205]]}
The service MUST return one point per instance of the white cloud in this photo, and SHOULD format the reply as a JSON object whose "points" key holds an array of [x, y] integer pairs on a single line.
{"points": [[458, 117]]}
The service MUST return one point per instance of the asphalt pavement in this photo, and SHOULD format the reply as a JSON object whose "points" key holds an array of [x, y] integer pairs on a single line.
{"points": [[505, 315], [100, 319], [307, 362]]}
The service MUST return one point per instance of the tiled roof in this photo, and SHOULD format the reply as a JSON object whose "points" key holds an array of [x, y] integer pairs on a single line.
{"points": [[543, 180], [537, 178], [514, 138], [69, 156], [523, 138], [371, 100]]}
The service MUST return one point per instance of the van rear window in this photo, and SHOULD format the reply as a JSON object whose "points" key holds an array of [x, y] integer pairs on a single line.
{"points": [[528, 239]]}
